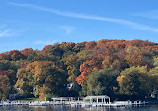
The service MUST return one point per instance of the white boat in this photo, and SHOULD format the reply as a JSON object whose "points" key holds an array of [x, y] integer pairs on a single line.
{"points": [[38, 103], [43, 103], [94, 105], [121, 103], [83, 104], [73, 104]]}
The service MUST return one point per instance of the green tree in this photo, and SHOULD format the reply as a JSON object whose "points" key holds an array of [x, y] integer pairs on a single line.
{"points": [[101, 82], [154, 75], [134, 82], [25, 82]]}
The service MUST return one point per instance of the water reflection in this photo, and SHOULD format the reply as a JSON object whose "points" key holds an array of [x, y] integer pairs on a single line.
{"points": [[69, 108]]}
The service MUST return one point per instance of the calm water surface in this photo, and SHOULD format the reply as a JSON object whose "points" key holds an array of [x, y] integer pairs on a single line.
{"points": [[68, 108]]}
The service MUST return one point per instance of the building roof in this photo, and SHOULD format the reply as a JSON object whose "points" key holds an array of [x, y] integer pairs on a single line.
{"points": [[95, 97], [61, 98]]}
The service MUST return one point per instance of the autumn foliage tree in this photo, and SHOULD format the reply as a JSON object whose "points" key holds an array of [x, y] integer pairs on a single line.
{"points": [[86, 68], [41, 78], [4, 87]]}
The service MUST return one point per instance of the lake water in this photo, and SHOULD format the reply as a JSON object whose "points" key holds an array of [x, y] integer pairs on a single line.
{"points": [[68, 108]]}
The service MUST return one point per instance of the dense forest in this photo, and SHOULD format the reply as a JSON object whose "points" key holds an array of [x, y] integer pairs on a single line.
{"points": [[121, 69]]}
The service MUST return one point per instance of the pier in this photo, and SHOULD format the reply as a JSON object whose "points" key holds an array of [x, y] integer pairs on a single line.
{"points": [[88, 101]]}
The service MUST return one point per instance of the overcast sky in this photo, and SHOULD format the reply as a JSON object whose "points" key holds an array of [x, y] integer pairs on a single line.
{"points": [[36, 23]]}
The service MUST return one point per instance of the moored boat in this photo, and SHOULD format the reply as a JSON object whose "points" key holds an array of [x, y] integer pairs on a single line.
{"points": [[38, 103]]}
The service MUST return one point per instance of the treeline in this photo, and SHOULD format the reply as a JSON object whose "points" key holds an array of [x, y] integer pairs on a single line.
{"points": [[118, 68]]}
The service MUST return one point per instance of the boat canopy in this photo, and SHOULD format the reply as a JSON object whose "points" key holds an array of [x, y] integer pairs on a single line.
{"points": [[62, 98], [97, 97]]}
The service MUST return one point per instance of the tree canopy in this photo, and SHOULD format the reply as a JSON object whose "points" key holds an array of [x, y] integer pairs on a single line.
{"points": [[111, 67]]}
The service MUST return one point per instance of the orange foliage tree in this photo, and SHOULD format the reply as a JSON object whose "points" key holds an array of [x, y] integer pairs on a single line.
{"points": [[86, 68]]}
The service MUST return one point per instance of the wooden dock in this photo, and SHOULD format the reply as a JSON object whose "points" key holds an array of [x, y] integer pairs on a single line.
{"points": [[73, 103], [88, 101]]}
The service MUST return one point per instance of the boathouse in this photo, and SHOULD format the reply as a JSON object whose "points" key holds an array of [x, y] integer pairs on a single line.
{"points": [[61, 99], [97, 99]]}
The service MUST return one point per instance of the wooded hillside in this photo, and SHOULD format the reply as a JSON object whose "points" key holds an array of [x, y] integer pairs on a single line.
{"points": [[117, 68]]}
